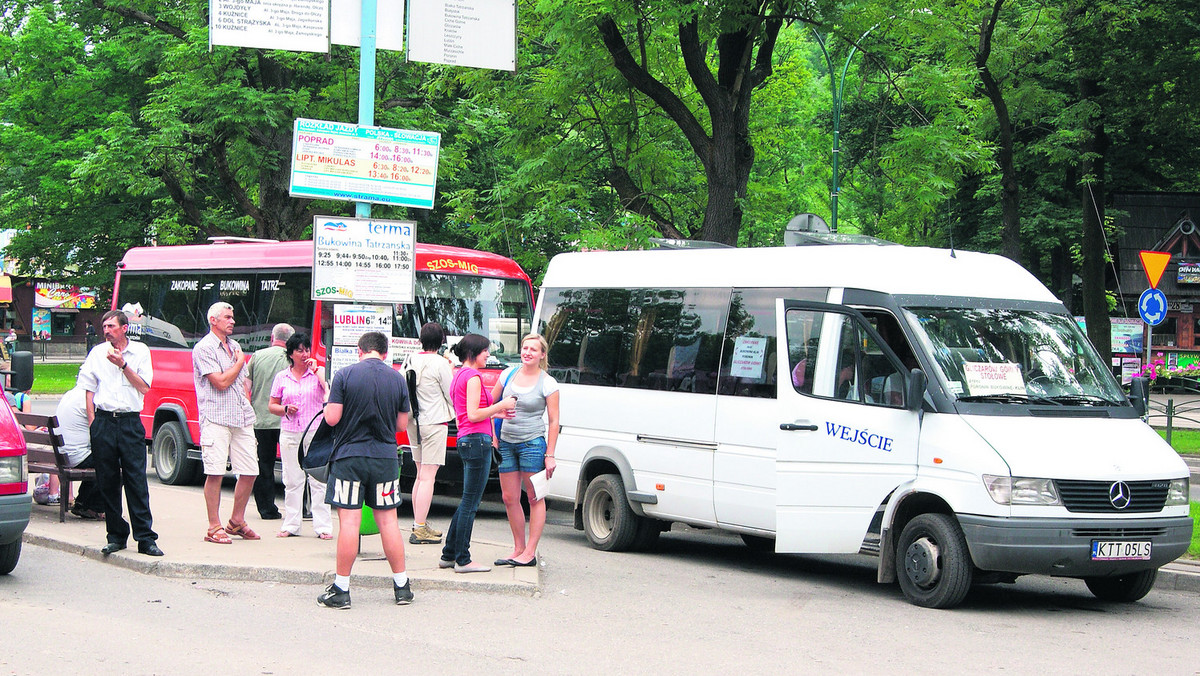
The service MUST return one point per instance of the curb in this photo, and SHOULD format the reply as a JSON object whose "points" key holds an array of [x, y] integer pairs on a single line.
{"points": [[207, 571], [1179, 575]]}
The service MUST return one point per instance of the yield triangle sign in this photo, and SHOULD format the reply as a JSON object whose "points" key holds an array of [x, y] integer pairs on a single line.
{"points": [[1154, 262]]}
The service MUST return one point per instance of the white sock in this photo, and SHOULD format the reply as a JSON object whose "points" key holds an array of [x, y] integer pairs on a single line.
{"points": [[400, 578], [342, 582]]}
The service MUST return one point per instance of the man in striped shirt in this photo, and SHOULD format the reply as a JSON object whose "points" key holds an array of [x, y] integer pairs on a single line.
{"points": [[226, 424]]}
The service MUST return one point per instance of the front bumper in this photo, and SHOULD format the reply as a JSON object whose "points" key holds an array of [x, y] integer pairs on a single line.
{"points": [[14, 516], [1063, 547]]}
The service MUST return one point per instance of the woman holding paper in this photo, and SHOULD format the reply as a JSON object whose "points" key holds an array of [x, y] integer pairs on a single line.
{"points": [[526, 442]]}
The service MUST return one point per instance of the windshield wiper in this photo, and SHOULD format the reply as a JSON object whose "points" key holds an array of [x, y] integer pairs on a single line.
{"points": [[1082, 399], [1008, 398]]}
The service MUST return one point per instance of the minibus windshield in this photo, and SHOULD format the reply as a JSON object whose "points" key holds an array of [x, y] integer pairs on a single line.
{"points": [[462, 304], [1014, 356]]}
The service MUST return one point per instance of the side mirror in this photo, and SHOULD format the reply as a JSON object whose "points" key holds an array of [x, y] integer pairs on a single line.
{"points": [[22, 371], [914, 391], [1139, 394]]}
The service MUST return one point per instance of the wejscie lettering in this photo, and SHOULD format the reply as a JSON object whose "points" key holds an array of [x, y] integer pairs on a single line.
{"points": [[857, 436]]}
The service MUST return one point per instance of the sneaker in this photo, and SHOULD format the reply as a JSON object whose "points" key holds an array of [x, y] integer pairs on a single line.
{"points": [[335, 597], [422, 535], [404, 595]]}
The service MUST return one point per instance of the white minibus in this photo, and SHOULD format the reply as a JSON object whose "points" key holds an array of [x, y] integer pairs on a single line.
{"points": [[938, 409]]}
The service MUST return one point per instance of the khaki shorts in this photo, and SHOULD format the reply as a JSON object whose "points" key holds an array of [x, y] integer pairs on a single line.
{"points": [[432, 449], [233, 445]]}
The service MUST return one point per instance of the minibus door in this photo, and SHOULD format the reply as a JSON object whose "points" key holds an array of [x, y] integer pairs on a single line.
{"points": [[845, 439]]}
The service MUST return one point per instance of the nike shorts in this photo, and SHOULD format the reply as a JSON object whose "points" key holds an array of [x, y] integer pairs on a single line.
{"points": [[357, 480]]}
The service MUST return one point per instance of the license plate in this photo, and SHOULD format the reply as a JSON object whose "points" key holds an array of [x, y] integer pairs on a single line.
{"points": [[1119, 550]]}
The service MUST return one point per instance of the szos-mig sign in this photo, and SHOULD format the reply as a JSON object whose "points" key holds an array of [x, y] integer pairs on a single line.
{"points": [[364, 260]]}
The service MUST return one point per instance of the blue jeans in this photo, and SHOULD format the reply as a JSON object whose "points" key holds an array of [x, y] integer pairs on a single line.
{"points": [[475, 451]]}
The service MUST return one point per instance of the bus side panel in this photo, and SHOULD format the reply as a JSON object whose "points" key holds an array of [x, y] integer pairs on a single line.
{"points": [[744, 469]]}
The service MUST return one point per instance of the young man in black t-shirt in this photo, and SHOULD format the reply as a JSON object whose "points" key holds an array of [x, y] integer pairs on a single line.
{"points": [[368, 401]]}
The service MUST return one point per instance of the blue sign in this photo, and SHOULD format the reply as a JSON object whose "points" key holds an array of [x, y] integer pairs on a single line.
{"points": [[1152, 306]]}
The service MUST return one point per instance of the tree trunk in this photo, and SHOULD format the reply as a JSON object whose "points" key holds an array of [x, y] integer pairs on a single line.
{"points": [[1010, 190]]}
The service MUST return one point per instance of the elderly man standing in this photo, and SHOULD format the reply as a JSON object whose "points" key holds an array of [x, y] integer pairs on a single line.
{"points": [[116, 376], [260, 374], [226, 424]]}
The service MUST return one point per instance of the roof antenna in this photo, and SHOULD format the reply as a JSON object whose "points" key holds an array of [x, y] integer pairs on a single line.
{"points": [[950, 227]]}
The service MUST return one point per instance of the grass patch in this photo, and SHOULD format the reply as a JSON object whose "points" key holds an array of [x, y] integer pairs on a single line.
{"points": [[1193, 551], [1184, 441], [54, 378]]}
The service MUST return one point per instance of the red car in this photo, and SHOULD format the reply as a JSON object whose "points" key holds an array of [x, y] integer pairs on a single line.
{"points": [[15, 500]]}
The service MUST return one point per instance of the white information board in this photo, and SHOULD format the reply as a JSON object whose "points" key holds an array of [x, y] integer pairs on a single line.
{"points": [[346, 24], [350, 322], [364, 260], [993, 378], [475, 33], [749, 355], [295, 25], [341, 161]]}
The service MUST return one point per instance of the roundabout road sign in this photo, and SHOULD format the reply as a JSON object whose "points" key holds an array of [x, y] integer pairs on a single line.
{"points": [[1152, 306]]}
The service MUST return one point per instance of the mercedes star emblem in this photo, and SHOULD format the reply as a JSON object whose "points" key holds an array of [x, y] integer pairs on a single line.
{"points": [[1118, 495]]}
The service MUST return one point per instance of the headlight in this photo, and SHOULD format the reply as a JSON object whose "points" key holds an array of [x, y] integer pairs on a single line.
{"points": [[1006, 490], [1177, 492]]}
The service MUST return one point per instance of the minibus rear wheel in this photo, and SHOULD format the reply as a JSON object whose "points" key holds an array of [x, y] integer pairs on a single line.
{"points": [[171, 463], [608, 520], [1122, 588], [933, 563]]}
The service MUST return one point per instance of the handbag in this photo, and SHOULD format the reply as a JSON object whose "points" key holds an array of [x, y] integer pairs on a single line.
{"points": [[317, 456], [497, 422]]}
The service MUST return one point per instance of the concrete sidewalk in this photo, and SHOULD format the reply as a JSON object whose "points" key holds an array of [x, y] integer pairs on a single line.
{"points": [[180, 521]]}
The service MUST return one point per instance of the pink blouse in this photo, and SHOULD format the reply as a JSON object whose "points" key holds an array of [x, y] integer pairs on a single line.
{"points": [[305, 393]]}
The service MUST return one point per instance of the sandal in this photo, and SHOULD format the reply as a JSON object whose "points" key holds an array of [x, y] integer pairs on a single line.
{"points": [[325, 536], [287, 534], [218, 535], [243, 531]]}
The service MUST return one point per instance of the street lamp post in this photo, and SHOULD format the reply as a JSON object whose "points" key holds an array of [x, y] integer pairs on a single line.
{"points": [[836, 88]]}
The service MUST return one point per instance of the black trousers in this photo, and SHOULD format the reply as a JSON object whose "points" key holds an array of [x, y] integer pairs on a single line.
{"points": [[88, 497], [119, 451], [264, 485]]}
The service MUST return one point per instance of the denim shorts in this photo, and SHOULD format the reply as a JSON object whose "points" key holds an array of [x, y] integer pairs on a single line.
{"points": [[525, 456]]}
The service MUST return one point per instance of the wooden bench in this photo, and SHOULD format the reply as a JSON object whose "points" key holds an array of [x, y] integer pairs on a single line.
{"points": [[46, 456]]}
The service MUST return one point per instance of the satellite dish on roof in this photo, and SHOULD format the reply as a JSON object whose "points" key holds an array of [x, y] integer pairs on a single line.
{"points": [[801, 225]]}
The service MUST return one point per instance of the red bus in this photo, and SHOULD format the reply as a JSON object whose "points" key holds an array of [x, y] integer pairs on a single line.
{"points": [[167, 290]]}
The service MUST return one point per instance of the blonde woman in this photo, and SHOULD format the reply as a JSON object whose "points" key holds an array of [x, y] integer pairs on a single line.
{"points": [[526, 442]]}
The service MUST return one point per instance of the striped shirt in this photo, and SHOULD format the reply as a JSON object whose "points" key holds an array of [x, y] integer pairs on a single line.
{"points": [[228, 407], [307, 393]]}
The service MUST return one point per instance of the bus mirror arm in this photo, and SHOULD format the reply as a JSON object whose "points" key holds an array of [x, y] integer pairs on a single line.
{"points": [[914, 396], [1139, 394]]}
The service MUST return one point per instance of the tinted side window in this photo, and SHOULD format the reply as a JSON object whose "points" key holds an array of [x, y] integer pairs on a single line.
{"points": [[658, 339], [162, 308], [749, 362]]}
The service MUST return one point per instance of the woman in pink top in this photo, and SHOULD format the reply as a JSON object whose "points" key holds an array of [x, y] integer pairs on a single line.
{"points": [[473, 409], [297, 396]]}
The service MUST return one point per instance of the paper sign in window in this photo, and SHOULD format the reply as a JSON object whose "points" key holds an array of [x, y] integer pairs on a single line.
{"points": [[997, 378]]}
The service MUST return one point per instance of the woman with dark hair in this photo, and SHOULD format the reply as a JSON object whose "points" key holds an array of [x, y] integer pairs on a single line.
{"points": [[473, 409], [297, 396], [427, 431]]}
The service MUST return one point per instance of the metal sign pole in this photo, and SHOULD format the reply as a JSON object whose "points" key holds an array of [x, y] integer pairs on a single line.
{"points": [[366, 82]]}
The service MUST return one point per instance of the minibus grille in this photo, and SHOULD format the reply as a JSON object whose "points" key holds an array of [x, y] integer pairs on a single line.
{"points": [[1118, 532], [1098, 496]]}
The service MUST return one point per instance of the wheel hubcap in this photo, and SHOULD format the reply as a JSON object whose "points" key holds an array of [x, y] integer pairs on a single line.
{"points": [[921, 562], [602, 515]]}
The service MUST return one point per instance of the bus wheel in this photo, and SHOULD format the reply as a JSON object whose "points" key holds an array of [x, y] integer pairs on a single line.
{"points": [[1122, 588], [170, 456], [608, 520], [932, 562]]}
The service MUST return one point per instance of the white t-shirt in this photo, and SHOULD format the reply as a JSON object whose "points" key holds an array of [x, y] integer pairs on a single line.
{"points": [[73, 426]]}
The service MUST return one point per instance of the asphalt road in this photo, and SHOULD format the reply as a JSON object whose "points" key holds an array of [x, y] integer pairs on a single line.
{"points": [[701, 603]]}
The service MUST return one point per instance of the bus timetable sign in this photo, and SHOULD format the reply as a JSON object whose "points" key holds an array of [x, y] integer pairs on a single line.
{"points": [[363, 260], [339, 161]]}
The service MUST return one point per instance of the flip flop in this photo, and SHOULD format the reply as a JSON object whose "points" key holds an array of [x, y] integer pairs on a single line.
{"points": [[325, 536], [218, 535], [243, 531], [287, 534]]}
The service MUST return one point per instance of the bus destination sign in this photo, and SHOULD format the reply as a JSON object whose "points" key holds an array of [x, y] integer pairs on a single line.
{"points": [[341, 161], [363, 260]]}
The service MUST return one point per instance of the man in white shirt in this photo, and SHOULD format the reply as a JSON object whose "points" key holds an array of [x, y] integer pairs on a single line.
{"points": [[77, 446], [116, 376]]}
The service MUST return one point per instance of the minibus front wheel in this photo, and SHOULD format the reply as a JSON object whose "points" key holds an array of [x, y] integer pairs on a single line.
{"points": [[1122, 588], [933, 563]]}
